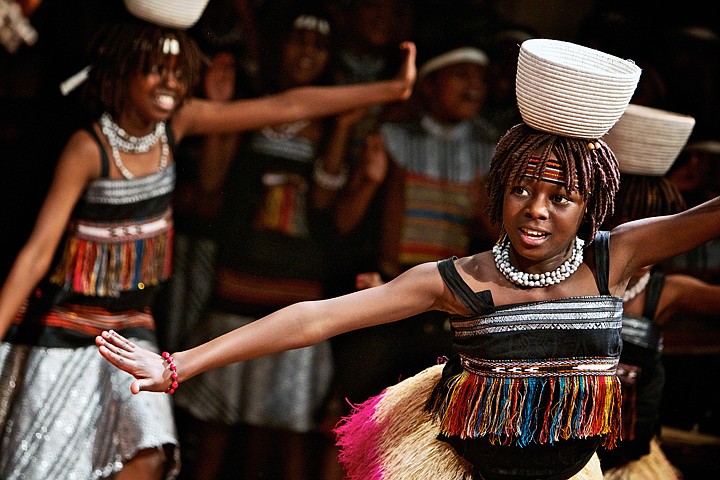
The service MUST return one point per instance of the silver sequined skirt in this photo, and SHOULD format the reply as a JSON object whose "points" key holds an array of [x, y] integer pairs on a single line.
{"points": [[73, 416], [284, 390]]}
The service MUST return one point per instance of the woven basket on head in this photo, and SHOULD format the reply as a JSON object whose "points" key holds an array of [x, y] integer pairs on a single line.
{"points": [[646, 141], [168, 13], [572, 90]]}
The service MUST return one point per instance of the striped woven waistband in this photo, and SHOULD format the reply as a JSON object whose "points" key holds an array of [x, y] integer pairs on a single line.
{"points": [[540, 368], [124, 232], [92, 320]]}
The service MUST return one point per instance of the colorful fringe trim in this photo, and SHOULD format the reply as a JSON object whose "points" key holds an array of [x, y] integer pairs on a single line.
{"points": [[391, 437], [521, 411], [98, 267], [628, 375]]}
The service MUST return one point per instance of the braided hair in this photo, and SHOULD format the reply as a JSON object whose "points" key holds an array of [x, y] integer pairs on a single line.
{"points": [[589, 166], [642, 196], [124, 49]]}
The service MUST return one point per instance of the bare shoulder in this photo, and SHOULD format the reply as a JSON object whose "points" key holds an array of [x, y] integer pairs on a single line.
{"points": [[81, 155]]}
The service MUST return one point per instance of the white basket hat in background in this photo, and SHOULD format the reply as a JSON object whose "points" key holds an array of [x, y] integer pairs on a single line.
{"points": [[572, 90], [646, 141], [168, 13]]}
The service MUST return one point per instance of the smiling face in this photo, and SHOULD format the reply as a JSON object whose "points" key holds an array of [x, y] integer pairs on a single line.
{"points": [[142, 71], [541, 219], [154, 95]]}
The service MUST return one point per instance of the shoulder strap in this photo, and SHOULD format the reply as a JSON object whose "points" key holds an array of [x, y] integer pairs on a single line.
{"points": [[602, 261], [454, 281], [170, 136], [654, 288], [104, 160]]}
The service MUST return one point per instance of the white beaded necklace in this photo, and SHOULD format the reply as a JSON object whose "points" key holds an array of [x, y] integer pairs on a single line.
{"points": [[639, 286], [129, 143], [501, 252], [120, 141]]}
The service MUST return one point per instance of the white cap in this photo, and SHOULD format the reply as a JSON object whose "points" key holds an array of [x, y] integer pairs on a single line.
{"points": [[452, 57]]}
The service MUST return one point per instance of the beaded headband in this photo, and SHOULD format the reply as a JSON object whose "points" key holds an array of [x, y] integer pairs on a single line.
{"points": [[552, 171], [311, 22]]}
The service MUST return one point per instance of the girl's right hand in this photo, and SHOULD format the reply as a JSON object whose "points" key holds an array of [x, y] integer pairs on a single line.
{"points": [[151, 372]]}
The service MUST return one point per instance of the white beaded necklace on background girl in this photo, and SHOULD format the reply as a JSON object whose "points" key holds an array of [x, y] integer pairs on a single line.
{"points": [[501, 252], [120, 140], [639, 286]]}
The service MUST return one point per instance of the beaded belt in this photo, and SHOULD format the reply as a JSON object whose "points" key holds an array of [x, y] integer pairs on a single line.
{"points": [[119, 232], [545, 368]]}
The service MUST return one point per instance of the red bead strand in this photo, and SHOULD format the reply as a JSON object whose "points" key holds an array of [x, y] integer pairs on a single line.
{"points": [[173, 373]]}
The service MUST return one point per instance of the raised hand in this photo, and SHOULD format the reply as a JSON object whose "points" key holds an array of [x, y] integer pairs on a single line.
{"points": [[219, 79], [151, 371], [408, 70]]}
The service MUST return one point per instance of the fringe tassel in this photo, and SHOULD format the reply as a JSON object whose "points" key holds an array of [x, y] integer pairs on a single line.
{"points": [[106, 269], [528, 410], [628, 375]]}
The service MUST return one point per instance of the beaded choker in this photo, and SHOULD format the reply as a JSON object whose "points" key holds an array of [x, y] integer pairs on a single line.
{"points": [[128, 143], [120, 140], [501, 252], [635, 290]]}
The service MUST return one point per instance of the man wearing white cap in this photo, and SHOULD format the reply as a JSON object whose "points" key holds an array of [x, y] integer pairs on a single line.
{"points": [[435, 164]]}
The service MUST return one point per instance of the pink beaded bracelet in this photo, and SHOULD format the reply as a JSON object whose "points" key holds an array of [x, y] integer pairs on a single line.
{"points": [[173, 373]]}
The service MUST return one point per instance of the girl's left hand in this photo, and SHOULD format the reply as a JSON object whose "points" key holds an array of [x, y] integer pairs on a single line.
{"points": [[149, 369]]}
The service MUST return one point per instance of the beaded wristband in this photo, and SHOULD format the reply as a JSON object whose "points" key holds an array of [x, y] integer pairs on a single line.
{"points": [[173, 373], [327, 180]]}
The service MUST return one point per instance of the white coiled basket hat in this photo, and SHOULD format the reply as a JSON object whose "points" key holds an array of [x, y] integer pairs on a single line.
{"points": [[646, 141], [180, 14], [572, 90]]}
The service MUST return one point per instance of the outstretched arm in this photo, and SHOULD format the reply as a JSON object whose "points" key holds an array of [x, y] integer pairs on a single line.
{"points": [[202, 117], [650, 241], [418, 290]]}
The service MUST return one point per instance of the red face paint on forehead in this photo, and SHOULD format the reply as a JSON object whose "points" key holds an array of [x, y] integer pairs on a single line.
{"points": [[551, 172]]}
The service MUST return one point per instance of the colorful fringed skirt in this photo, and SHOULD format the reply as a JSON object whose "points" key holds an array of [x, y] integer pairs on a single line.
{"points": [[69, 414], [392, 437]]}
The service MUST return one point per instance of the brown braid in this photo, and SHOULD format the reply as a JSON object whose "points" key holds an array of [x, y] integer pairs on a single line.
{"points": [[125, 49], [590, 167], [642, 196]]}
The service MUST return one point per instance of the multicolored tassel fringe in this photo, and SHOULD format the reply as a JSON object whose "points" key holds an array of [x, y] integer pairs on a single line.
{"points": [[101, 268], [522, 411]]}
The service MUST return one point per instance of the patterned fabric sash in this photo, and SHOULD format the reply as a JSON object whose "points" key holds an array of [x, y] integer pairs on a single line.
{"points": [[540, 368], [642, 332], [105, 259], [436, 221], [91, 321]]}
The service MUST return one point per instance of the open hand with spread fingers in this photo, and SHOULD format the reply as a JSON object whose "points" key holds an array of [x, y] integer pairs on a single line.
{"points": [[152, 372]]}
